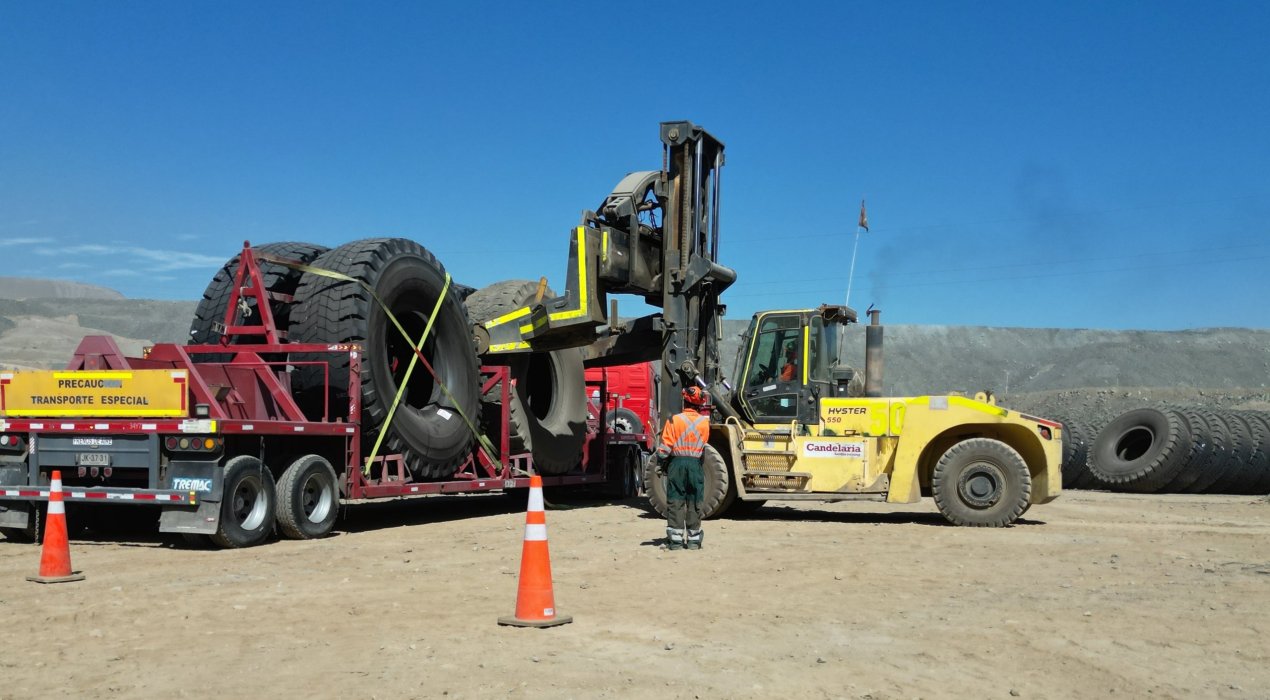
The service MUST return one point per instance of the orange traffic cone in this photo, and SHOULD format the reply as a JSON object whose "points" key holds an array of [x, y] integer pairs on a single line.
{"points": [[535, 602], [55, 560]]}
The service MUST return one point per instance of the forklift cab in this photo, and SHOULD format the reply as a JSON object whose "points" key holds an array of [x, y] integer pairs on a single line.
{"points": [[788, 363]]}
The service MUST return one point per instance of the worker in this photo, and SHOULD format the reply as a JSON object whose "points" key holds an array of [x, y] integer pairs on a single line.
{"points": [[790, 370], [683, 442]]}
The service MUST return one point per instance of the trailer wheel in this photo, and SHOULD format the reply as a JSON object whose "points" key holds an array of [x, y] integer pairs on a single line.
{"points": [[278, 279], [717, 477], [981, 482], [426, 427], [632, 472], [247, 508], [308, 499], [547, 412]]}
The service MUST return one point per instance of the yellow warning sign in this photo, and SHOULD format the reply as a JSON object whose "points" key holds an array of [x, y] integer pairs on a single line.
{"points": [[137, 393]]}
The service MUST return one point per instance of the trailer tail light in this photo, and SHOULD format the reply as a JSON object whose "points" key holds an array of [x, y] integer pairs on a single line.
{"points": [[192, 444], [12, 443]]}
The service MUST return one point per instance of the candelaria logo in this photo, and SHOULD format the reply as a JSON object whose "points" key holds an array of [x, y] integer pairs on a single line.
{"points": [[851, 449]]}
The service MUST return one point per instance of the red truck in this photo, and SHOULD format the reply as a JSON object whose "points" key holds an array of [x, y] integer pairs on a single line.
{"points": [[632, 399]]}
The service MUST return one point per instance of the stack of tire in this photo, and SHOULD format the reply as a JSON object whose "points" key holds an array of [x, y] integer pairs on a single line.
{"points": [[1185, 450], [1078, 442], [428, 427]]}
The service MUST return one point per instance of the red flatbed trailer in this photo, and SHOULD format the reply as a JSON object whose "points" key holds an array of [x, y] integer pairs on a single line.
{"points": [[243, 407]]}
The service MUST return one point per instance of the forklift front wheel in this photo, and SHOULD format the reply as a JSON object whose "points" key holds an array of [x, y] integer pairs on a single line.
{"points": [[981, 482]]}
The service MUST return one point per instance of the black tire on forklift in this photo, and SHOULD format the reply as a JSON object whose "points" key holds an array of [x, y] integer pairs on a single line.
{"points": [[278, 279], [717, 478], [548, 412], [308, 498], [248, 504], [427, 428], [981, 482], [624, 420]]}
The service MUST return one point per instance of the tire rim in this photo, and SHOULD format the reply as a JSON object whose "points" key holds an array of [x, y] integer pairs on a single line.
{"points": [[250, 503], [980, 485], [316, 498]]}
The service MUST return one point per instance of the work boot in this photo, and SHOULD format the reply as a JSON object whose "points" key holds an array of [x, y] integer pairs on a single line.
{"points": [[694, 539], [674, 538]]}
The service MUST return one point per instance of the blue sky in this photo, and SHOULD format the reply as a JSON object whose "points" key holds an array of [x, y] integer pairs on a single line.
{"points": [[1067, 164]]}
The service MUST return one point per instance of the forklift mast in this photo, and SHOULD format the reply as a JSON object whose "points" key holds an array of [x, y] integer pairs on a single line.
{"points": [[656, 235]]}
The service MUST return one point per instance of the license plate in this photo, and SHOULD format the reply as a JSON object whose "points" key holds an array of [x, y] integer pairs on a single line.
{"points": [[94, 459]]}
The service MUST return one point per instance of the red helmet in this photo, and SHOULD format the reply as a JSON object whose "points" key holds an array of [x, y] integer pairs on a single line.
{"points": [[696, 396]]}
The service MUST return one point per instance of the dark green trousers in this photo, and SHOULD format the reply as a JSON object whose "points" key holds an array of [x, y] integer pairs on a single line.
{"points": [[685, 489]]}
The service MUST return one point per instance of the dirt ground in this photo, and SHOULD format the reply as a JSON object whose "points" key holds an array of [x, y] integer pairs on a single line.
{"points": [[1094, 595]]}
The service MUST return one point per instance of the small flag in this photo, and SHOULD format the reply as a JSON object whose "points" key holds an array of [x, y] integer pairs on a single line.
{"points": [[864, 218]]}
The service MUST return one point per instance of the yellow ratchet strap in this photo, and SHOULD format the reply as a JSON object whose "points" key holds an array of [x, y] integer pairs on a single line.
{"points": [[481, 439]]}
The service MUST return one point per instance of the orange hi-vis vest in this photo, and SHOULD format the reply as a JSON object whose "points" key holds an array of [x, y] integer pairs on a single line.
{"points": [[685, 435]]}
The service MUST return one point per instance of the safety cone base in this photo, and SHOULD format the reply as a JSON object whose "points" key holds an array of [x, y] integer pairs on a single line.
{"points": [[75, 576], [513, 621]]}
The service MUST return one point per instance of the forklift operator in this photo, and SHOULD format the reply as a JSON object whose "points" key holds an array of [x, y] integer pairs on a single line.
{"points": [[790, 370]]}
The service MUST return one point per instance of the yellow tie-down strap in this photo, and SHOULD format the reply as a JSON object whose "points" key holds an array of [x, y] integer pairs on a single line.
{"points": [[481, 439]]}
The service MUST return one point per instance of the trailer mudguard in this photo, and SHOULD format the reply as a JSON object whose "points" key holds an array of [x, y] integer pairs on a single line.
{"points": [[15, 515], [204, 477]]}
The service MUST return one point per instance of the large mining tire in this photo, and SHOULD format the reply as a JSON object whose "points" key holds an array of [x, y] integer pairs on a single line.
{"points": [[427, 428], [1077, 440], [1240, 471], [278, 279], [547, 413], [717, 477], [1219, 449], [1259, 422], [1141, 450], [1197, 458], [981, 482]]}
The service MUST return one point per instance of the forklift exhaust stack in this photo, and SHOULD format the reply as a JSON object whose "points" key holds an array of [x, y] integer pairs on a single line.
{"points": [[873, 355]]}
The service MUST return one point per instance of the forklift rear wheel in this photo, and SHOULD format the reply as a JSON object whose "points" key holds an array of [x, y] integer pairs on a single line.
{"points": [[308, 499], [981, 482], [247, 511]]}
